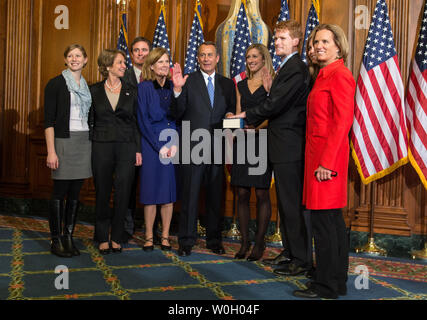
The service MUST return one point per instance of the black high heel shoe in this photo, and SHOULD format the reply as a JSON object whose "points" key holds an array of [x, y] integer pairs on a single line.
{"points": [[116, 250], [104, 251], [242, 251], [256, 253], [163, 247], [148, 248]]}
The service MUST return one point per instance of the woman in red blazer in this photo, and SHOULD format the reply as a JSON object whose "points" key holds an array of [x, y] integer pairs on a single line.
{"points": [[330, 108]]}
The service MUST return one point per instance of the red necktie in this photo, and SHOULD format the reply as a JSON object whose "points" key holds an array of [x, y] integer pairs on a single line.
{"points": [[140, 77]]}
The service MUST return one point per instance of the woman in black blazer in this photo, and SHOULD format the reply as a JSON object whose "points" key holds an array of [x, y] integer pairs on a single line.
{"points": [[115, 148], [67, 102]]}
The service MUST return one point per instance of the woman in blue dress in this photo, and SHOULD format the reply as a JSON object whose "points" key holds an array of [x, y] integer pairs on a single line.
{"points": [[158, 184]]}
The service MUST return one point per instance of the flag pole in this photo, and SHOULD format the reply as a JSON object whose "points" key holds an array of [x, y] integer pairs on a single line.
{"points": [[276, 237], [200, 230], [371, 247], [234, 232], [421, 254]]}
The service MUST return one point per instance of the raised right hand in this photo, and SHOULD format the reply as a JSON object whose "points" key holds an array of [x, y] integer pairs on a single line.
{"points": [[177, 78], [267, 80]]}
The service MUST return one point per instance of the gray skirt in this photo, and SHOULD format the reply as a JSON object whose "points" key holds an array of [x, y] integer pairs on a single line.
{"points": [[74, 156]]}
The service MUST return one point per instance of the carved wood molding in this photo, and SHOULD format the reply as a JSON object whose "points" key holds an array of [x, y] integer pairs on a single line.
{"points": [[105, 25], [387, 220], [17, 91]]}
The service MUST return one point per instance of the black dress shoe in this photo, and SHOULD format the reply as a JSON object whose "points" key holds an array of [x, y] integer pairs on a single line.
{"points": [[217, 249], [290, 269], [307, 293], [279, 260], [342, 289], [184, 251]]}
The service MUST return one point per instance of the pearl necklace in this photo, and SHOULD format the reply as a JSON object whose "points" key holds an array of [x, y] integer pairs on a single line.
{"points": [[113, 89]]}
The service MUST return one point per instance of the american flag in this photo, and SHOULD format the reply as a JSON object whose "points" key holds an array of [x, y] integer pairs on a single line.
{"points": [[122, 43], [312, 22], [379, 137], [242, 40], [416, 104], [283, 16], [195, 40], [161, 38]]}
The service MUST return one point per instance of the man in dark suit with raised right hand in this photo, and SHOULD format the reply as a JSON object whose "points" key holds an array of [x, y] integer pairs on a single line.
{"points": [[204, 98], [285, 108]]}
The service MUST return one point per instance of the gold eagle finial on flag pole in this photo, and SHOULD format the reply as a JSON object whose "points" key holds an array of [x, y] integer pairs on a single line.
{"points": [[123, 5]]}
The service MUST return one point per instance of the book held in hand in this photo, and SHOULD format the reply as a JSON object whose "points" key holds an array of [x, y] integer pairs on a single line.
{"points": [[233, 123]]}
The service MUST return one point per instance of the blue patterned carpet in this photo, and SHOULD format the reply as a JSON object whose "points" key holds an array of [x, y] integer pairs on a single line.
{"points": [[27, 272]]}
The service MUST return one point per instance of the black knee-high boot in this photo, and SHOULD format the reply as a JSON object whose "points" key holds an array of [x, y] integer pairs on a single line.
{"points": [[71, 209], [56, 213]]}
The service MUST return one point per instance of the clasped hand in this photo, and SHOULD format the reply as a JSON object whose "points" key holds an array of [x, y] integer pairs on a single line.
{"points": [[166, 152], [323, 174]]}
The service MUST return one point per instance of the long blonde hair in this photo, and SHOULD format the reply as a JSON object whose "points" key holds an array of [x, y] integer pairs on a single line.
{"points": [[262, 49]]}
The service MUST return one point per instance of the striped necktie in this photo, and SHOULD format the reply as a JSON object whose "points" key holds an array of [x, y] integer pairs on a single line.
{"points": [[211, 91]]}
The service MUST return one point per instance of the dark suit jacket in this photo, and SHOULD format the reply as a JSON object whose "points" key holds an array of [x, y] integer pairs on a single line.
{"points": [[107, 125], [130, 78], [57, 101], [285, 108], [194, 105]]}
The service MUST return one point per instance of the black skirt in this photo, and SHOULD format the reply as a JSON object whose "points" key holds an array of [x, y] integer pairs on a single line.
{"points": [[240, 173]]}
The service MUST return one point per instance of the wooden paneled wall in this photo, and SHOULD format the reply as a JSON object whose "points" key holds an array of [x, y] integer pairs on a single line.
{"points": [[31, 52]]}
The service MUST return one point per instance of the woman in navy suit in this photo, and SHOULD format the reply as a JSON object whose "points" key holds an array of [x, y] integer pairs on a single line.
{"points": [[115, 148], [158, 184]]}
